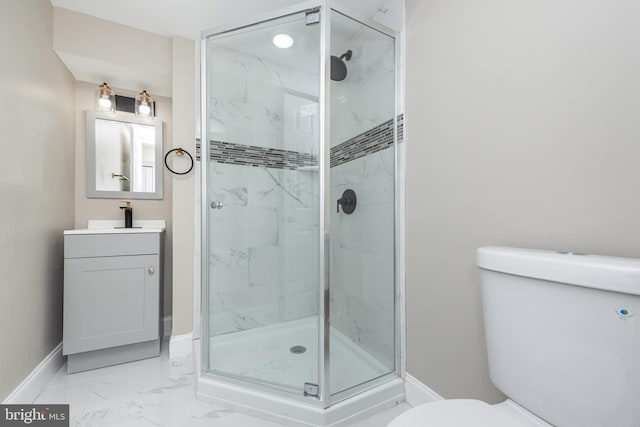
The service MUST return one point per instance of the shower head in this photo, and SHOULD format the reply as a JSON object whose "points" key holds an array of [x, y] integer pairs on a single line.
{"points": [[338, 67]]}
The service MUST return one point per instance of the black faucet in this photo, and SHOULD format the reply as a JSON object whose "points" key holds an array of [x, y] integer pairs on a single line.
{"points": [[128, 214]]}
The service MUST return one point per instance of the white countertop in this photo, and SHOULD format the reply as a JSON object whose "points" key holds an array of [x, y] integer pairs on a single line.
{"points": [[107, 226]]}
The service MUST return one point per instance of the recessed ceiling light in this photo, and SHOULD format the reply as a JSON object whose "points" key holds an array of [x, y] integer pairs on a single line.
{"points": [[283, 41]]}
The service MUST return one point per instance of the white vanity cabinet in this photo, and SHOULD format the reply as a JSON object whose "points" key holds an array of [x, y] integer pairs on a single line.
{"points": [[112, 296]]}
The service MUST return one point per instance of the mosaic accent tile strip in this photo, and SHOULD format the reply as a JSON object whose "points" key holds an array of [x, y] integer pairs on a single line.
{"points": [[251, 155], [371, 141]]}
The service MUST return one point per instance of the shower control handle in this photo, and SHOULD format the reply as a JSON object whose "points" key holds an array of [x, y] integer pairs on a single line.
{"points": [[348, 202], [216, 205]]}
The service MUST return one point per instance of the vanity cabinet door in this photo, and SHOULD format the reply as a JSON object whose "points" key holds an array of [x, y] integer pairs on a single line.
{"points": [[110, 301]]}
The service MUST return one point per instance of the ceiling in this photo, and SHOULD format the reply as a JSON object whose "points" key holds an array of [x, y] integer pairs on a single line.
{"points": [[187, 18]]}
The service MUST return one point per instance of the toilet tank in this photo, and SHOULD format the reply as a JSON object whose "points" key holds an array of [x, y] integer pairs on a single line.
{"points": [[563, 334]]}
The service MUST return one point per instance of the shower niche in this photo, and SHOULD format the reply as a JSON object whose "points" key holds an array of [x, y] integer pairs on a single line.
{"points": [[299, 317]]}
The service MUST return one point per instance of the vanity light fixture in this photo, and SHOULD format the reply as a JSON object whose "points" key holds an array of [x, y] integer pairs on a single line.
{"points": [[105, 99], [283, 41], [144, 105]]}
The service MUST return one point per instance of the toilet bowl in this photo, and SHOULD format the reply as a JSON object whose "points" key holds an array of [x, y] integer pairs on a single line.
{"points": [[467, 413], [562, 333]]}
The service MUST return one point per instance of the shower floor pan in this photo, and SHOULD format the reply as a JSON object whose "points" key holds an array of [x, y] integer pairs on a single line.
{"points": [[273, 354]]}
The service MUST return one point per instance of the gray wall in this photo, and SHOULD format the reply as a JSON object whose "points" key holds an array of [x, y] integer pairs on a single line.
{"points": [[184, 186], [523, 127], [36, 187]]}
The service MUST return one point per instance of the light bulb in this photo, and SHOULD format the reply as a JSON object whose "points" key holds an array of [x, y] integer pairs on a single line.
{"points": [[283, 41], [105, 103], [144, 109], [144, 105], [105, 99]]}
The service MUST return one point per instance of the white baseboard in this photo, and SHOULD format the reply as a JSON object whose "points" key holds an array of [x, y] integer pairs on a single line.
{"points": [[32, 386], [167, 323], [416, 393], [181, 345]]}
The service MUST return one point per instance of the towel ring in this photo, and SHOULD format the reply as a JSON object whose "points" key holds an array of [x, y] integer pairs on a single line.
{"points": [[179, 152]]}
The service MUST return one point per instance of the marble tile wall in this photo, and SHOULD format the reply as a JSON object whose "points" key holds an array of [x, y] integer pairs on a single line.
{"points": [[263, 125], [263, 242], [255, 101], [366, 97], [362, 254], [363, 159]]}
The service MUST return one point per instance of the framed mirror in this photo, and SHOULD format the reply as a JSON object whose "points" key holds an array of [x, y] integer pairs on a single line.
{"points": [[124, 156]]}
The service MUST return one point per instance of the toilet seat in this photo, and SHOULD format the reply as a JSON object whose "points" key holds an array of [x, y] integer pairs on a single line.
{"points": [[456, 413]]}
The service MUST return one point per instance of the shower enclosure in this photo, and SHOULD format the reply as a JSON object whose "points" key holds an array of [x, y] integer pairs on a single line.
{"points": [[299, 189]]}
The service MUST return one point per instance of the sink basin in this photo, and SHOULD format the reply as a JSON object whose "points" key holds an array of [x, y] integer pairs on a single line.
{"points": [[101, 226]]}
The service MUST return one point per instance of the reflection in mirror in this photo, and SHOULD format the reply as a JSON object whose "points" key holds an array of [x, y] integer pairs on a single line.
{"points": [[123, 156]]}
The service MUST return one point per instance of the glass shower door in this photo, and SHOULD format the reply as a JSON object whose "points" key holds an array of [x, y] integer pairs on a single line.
{"points": [[263, 192], [362, 185]]}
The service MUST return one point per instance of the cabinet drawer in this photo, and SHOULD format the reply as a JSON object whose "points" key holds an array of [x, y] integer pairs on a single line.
{"points": [[99, 245]]}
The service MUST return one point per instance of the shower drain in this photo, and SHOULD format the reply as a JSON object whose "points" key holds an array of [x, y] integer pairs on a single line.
{"points": [[298, 349]]}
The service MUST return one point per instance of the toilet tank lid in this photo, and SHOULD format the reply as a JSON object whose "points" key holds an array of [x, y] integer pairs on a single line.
{"points": [[592, 271]]}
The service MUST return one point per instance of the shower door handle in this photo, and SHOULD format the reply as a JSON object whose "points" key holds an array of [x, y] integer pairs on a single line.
{"points": [[216, 205]]}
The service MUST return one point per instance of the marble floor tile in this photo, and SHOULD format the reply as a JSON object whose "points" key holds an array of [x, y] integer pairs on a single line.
{"points": [[157, 392]]}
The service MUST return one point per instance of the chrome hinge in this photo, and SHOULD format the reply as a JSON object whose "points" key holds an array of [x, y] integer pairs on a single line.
{"points": [[312, 16], [311, 389]]}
